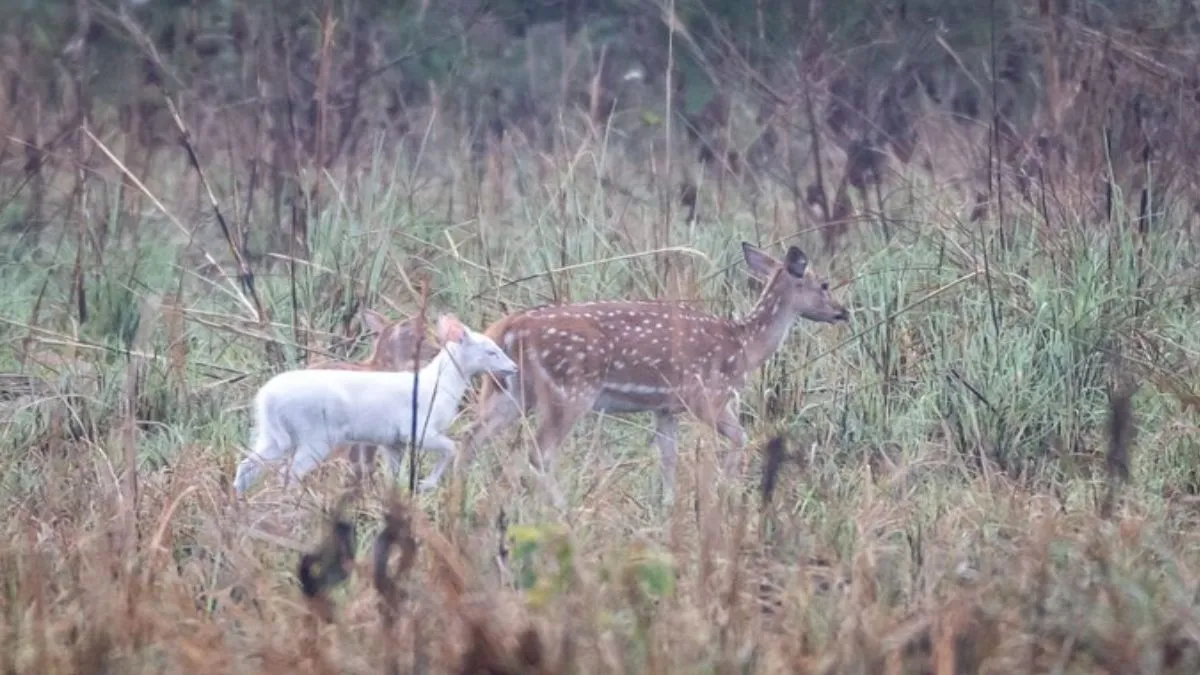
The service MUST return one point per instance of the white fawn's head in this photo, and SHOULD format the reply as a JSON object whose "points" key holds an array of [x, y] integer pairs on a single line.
{"points": [[791, 288], [396, 342], [472, 352]]}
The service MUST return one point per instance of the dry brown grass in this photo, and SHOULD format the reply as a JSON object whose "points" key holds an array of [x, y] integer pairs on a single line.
{"points": [[995, 578]]}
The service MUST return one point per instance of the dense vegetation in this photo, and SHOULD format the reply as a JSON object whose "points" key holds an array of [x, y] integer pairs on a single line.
{"points": [[194, 196]]}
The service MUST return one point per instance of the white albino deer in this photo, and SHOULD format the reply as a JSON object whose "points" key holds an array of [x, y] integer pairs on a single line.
{"points": [[394, 347], [305, 414], [623, 357]]}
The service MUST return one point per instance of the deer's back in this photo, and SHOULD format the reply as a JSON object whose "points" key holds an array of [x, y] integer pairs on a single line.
{"points": [[638, 355]]}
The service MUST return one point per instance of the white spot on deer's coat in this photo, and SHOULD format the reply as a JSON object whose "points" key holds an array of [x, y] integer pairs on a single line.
{"points": [[635, 388]]}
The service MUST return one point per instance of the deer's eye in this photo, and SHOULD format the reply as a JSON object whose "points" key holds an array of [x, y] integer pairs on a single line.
{"points": [[824, 285]]}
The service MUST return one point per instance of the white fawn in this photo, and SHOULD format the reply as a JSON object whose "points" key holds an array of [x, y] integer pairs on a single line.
{"points": [[393, 349], [622, 357], [305, 413]]}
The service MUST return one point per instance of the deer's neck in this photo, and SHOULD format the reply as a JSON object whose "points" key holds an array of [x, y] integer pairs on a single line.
{"points": [[765, 327], [442, 380]]}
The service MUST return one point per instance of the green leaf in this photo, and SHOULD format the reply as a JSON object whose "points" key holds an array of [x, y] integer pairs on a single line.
{"points": [[526, 541], [655, 573]]}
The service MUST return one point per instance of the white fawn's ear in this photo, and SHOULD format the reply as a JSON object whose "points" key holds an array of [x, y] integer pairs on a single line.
{"points": [[761, 263], [374, 321], [796, 262], [450, 329]]}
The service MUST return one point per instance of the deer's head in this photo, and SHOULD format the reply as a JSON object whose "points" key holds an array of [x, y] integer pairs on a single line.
{"points": [[396, 341], [798, 289], [473, 352]]}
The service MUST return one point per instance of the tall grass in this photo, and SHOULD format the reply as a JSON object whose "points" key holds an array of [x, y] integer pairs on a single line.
{"points": [[938, 509]]}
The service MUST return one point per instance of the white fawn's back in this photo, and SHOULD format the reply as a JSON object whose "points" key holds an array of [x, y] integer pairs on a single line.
{"points": [[621, 357]]}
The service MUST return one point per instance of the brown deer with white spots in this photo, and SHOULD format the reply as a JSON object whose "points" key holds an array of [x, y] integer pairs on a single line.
{"points": [[624, 357], [393, 350]]}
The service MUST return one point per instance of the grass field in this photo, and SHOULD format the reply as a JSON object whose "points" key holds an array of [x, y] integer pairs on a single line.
{"points": [[950, 501]]}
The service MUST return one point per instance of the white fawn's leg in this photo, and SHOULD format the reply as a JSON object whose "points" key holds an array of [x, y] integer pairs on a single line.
{"points": [[269, 446], [446, 447], [362, 459], [666, 428], [309, 456], [395, 456]]}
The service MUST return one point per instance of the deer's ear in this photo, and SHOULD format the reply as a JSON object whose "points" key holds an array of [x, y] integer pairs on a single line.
{"points": [[796, 262], [761, 263], [374, 321], [450, 329], [408, 329]]}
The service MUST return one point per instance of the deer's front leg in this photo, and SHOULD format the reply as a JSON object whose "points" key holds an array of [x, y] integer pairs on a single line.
{"points": [[730, 427], [498, 411], [723, 417]]}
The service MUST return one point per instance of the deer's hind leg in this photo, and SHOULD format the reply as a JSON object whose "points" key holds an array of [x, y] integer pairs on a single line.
{"points": [[271, 444], [666, 431]]}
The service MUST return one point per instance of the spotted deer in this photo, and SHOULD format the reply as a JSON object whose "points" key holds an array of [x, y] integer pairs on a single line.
{"points": [[393, 349], [624, 357]]}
